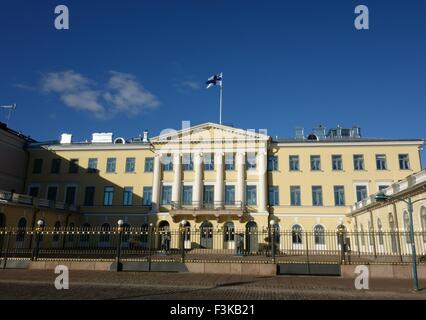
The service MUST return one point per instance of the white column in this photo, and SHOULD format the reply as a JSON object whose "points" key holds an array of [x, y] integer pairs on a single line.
{"points": [[198, 176], [177, 178], [218, 186], [262, 192], [156, 184], [241, 177]]}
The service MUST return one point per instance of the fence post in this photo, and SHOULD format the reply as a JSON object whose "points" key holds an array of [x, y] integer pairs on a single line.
{"points": [[119, 266], [6, 252], [149, 246], [307, 253], [182, 245], [273, 245]]}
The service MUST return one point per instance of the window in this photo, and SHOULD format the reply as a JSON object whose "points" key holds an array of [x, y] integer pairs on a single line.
{"points": [[380, 232], [89, 196], [407, 227], [339, 195], [295, 199], [147, 196], [294, 163], [404, 162], [274, 196], [52, 193], [128, 196], [70, 194], [361, 193], [319, 235], [37, 166], [56, 166], [20, 232], [56, 228], [73, 168], [209, 162], [111, 162], [383, 187], [130, 165], [33, 191], [71, 235], [230, 195], [149, 164], [316, 195], [251, 195], [187, 195], [105, 236], [84, 237], [108, 196], [296, 234], [188, 162], [358, 162], [423, 222], [92, 166], [337, 164], [229, 161], [166, 196], [272, 163], [381, 162], [251, 161], [229, 232], [167, 162], [208, 195], [315, 163]]}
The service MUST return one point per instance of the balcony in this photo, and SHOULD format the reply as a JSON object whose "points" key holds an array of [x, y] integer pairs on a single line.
{"points": [[216, 209]]}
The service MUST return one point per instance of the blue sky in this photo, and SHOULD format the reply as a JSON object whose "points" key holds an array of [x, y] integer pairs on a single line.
{"points": [[125, 66]]}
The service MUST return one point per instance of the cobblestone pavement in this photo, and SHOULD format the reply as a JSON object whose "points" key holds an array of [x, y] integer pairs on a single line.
{"points": [[34, 284]]}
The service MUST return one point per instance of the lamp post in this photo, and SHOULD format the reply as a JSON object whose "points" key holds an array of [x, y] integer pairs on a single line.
{"points": [[118, 256], [40, 224], [381, 197], [272, 225], [149, 246], [183, 224], [341, 233]]}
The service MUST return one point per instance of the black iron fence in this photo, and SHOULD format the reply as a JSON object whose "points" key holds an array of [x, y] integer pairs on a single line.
{"points": [[208, 244]]}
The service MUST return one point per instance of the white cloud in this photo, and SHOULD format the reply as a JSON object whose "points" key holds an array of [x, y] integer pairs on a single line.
{"points": [[122, 93]]}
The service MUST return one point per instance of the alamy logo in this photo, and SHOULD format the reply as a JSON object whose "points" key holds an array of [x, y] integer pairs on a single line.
{"points": [[62, 281], [62, 21], [362, 280], [362, 21]]}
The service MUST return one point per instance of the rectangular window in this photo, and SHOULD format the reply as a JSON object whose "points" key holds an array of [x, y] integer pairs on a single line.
{"points": [[128, 196], [166, 196], [73, 168], [111, 162], [70, 194], [52, 192], [56, 166], [89, 196], [404, 162], [337, 164], [108, 196], [272, 163], [251, 161], [229, 161], [339, 195], [316, 195], [187, 195], [294, 163], [358, 162], [315, 163], [187, 162], [130, 165], [208, 195], [92, 166], [149, 164], [274, 199], [33, 191], [229, 195], [295, 199], [381, 162], [147, 196], [251, 195], [37, 166], [209, 162], [361, 193], [167, 161]]}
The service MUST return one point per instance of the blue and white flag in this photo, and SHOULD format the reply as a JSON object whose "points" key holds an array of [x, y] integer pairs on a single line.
{"points": [[214, 80]]}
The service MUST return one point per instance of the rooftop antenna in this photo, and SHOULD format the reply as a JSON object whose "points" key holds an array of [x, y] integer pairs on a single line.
{"points": [[9, 107]]}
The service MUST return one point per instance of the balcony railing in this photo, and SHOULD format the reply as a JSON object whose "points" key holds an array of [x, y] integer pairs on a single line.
{"points": [[201, 205]]}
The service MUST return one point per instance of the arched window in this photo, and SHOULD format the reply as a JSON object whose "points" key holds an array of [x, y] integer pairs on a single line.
{"points": [[319, 235], [56, 228], [276, 229], [391, 222], [339, 237], [229, 232], [20, 234], [296, 234], [362, 235], [423, 222], [105, 236], [71, 229], [380, 231], [407, 227], [370, 233], [126, 232], [144, 233], [85, 233]]}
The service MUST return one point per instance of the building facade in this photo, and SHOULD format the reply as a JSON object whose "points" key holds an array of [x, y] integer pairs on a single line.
{"points": [[216, 176]]}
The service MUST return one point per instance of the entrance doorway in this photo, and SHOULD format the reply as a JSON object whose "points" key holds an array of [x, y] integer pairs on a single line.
{"points": [[206, 237]]}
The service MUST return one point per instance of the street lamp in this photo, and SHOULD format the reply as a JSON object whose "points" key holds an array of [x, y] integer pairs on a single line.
{"points": [[183, 224], [272, 225], [341, 234], [40, 224], [382, 197], [118, 257]]}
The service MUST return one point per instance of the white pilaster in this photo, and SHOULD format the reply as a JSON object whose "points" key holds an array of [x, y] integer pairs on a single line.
{"points": [[198, 176], [262, 192], [218, 187], [156, 184], [177, 178], [241, 177]]}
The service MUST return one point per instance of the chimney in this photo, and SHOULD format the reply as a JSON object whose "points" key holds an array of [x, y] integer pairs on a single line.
{"points": [[66, 138], [145, 136]]}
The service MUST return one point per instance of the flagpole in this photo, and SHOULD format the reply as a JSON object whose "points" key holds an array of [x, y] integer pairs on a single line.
{"points": [[220, 111]]}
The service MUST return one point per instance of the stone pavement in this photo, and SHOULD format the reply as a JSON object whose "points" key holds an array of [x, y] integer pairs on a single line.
{"points": [[39, 284]]}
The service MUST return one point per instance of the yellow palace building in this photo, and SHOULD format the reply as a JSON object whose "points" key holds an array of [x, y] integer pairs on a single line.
{"points": [[208, 175]]}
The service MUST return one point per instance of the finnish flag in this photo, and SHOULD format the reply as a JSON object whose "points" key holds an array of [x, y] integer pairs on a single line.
{"points": [[214, 80]]}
